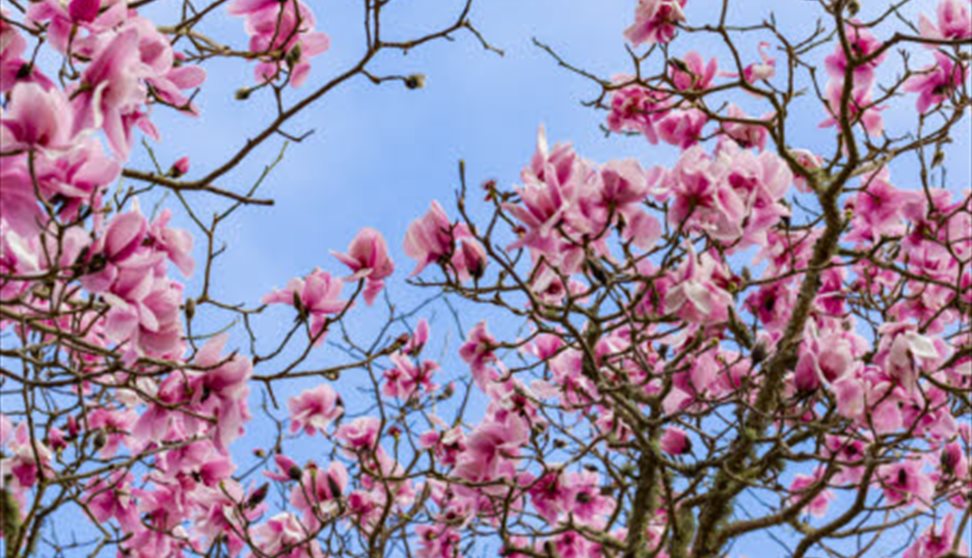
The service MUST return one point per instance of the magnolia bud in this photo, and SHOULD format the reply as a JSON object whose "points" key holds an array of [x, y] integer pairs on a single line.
{"points": [[100, 439], [415, 81], [180, 167], [294, 472], [258, 495], [759, 352], [293, 57]]}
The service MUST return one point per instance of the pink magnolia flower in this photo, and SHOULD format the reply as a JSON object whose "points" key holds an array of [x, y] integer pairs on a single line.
{"points": [[314, 409], [934, 543], [860, 109], [862, 45], [937, 82], [954, 461], [112, 91], [317, 489], [764, 69], [36, 117], [151, 325], [681, 128], [550, 494], [477, 351], [695, 296], [283, 27], [429, 238], [635, 108], [692, 73], [180, 166], [407, 379], [878, 208], [823, 359], [368, 259], [284, 536], [589, 505], [470, 260], [417, 339], [655, 21], [438, 541], [744, 134], [674, 441], [361, 433], [489, 449], [818, 504], [904, 353], [111, 498], [315, 296], [906, 483], [175, 243], [954, 22]]}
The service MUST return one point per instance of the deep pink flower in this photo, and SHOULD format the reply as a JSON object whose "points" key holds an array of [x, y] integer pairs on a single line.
{"points": [[674, 441]]}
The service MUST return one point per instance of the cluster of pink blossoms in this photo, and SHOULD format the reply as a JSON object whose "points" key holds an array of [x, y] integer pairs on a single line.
{"points": [[282, 35]]}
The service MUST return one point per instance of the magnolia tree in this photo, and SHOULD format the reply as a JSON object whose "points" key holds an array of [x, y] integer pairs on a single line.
{"points": [[763, 341]]}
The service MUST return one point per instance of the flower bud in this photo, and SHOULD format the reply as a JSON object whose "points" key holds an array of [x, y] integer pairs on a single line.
{"points": [[415, 81]]}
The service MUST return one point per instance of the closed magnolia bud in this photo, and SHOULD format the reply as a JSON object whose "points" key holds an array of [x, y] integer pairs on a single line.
{"points": [[332, 485], [180, 167], [415, 81], [759, 352], [259, 495], [293, 57], [294, 472], [242, 93], [190, 308], [100, 439]]}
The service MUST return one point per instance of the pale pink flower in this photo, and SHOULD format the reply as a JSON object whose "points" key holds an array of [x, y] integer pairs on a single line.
{"points": [[314, 409], [655, 21], [367, 257], [954, 22]]}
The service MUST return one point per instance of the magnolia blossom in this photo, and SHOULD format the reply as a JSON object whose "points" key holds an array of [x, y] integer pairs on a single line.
{"points": [[655, 21], [936, 83], [315, 296], [367, 257], [314, 409], [953, 21]]}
